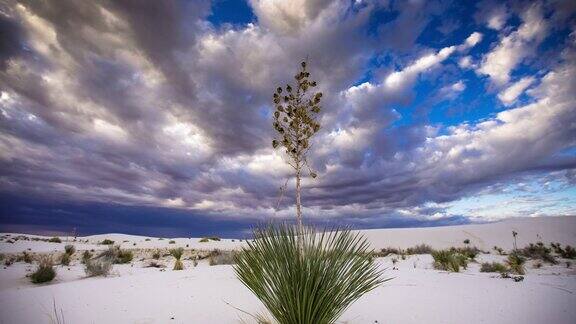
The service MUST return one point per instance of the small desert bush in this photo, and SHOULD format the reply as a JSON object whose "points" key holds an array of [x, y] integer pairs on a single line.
{"points": [[172, 242], [225, 257], [386, 252], [24, 257], [156, 255], [499, 250], [86, 255], [449, 260], [98, 267], [466, 241], [568, 252], [69, 249], [493, 267], [116, 255], [44, 272], [207, 239], [124, 256], [420, 249], [107, 242], [308, 278], [177, 254], [538, 251], [55, 239], [155, 264], [516, 262], [147, 239], [469, 252], [65, 259]]}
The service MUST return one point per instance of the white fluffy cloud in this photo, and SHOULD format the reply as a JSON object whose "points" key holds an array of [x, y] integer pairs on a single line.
{"points": [[508, 96], [516, 46]]}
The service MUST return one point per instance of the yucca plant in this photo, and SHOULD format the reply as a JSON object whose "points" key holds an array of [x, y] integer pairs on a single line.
{"points": [[177, 254], [311, 280]]}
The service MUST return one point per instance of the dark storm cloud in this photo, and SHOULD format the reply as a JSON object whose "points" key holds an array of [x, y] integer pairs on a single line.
{"points": [[148, 107]]}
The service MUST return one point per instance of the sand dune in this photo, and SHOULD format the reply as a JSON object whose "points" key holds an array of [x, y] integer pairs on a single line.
{"points": [[211, 294]]}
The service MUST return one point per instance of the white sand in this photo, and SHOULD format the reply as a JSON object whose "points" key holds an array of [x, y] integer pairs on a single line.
{"points": [[417, 294]]}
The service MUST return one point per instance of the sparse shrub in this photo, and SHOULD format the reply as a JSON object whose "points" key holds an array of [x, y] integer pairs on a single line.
{"points": [[172, 242], [449, 260], [466, 241], [155, 264], [123, 256], [387, 251], [55, 239], [147, 239], [110, 253], [177, 254], [469, 252], [69, 249], [156, 255], [98, 267], [493, 267], [499, 250], [310, 279], [86, 255], [516, 263], [24, 257], [107, 242], [569, 252], [65, 259], [2, 256], [226, 257], [537, 265], [116, 255], [207, 239], [8, 262], [44, 272], [538, 251], [420, 249]]}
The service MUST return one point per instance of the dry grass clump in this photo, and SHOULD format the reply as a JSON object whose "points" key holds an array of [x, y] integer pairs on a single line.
{"points": [[224, 257], [156, 255], [69, 249], [44, 272], [177, 254], [86, 255], [493, 267], [65, 259], [24, 257], [116, 255], [207, 239], [98, 267], [420, 249], [123, 256]]}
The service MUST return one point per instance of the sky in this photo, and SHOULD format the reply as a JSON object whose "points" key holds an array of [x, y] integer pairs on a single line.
{"points": [[155, 117]]}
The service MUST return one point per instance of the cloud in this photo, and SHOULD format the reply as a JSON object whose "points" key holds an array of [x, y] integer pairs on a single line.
{"points": [[508, 96], [119, 104], [516, 46]]}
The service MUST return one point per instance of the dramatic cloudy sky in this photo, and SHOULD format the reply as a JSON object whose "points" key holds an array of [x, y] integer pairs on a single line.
{"points": [[154, 117]]}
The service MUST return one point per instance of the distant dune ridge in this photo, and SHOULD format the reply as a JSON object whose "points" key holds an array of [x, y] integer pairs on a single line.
{"points": [[484, 236]]}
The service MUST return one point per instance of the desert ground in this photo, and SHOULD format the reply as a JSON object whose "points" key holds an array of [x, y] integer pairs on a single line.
{"points": [[148, 290]]}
